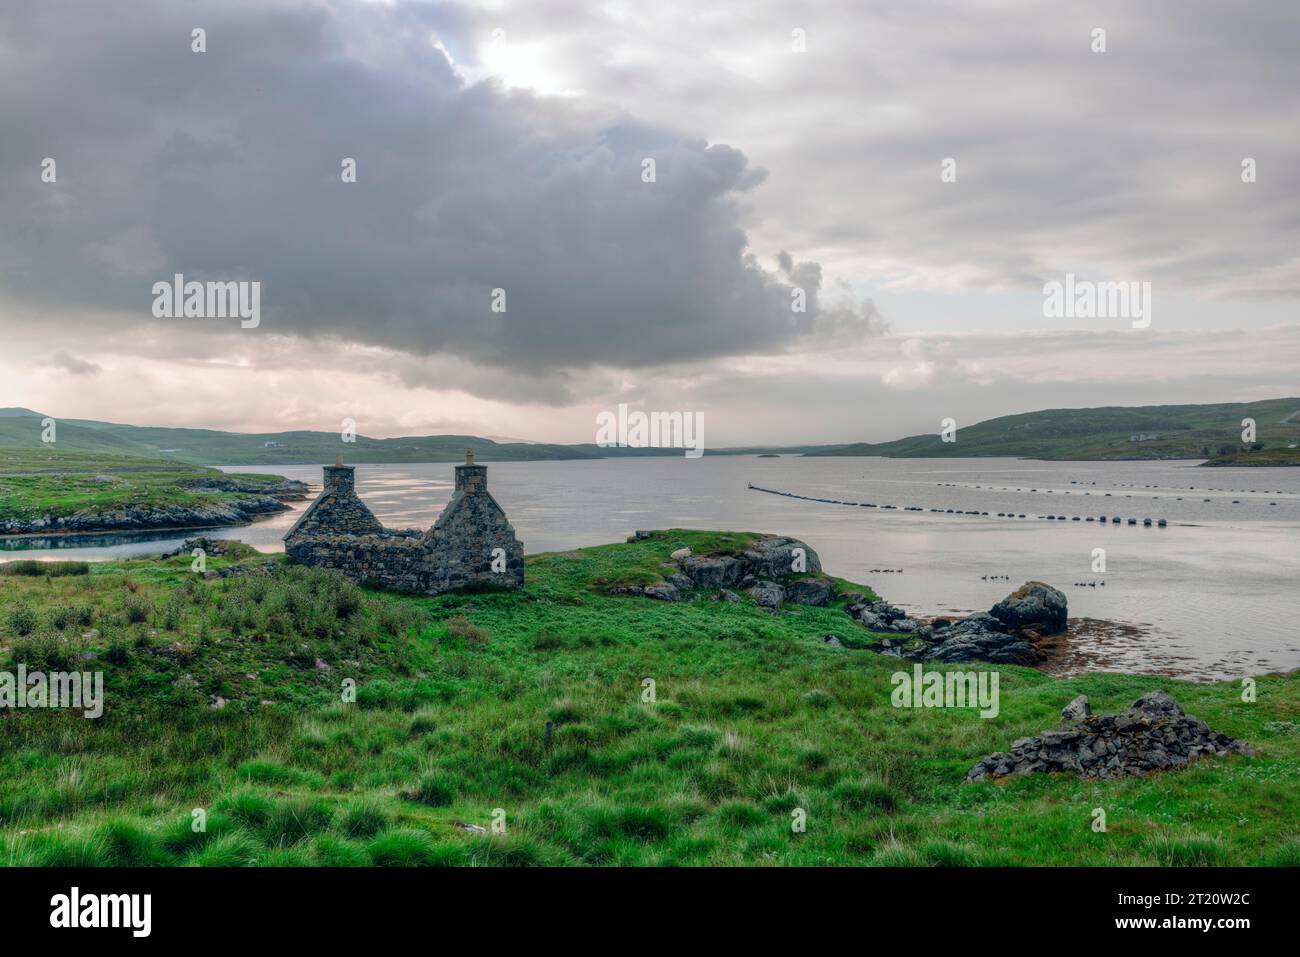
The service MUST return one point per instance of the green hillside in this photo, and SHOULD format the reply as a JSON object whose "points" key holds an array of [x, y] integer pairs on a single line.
{"points": [[530, 708], [210, 447], [21, 429], [1145, 432]]}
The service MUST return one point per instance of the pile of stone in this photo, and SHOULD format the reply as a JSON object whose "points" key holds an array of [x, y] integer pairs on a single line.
{"points": [[1006, 634], [1153, 735], [765, 571], [220, 546], [209, 546]]}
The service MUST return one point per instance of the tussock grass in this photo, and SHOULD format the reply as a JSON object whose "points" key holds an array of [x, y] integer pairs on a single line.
{"points": [[36, 569], [757, 723]]}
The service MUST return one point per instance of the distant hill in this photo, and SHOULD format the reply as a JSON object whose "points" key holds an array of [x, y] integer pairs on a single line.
{"points": [[21, 429], [1142, 432]]}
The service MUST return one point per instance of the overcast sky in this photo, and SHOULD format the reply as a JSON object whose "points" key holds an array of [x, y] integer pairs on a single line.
{"points": [[504, 146]]}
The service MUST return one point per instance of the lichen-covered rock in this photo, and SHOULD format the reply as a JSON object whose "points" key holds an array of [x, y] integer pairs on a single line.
{"points": [[1078, 709], [768, 594], [980, 638], [808, 591], [664, 591], [1153, 735], [770, 570], [713, 571], [776, 557], [1033, 605]]}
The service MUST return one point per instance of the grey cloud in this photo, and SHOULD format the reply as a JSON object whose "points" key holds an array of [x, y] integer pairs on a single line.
{"points": [[72, 365], [1125, 162], [226, 165]]}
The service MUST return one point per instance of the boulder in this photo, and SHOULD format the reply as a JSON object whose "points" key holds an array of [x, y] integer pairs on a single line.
{"points": [[872, 621], [774, 557], [1078, 709], [713, 571], [664, 591], [808, 591], [979, 638], [768, 594], [1033, 605]]}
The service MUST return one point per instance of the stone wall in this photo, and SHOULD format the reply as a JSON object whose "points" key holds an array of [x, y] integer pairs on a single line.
{"points": [[472, 545], [337, 510]]}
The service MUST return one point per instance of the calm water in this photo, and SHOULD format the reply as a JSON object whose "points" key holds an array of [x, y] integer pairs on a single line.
{"points": [[1213, 595]]}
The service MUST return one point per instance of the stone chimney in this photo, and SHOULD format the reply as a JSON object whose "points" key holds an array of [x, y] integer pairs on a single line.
{"points": [[471, 478], [340, 477]]}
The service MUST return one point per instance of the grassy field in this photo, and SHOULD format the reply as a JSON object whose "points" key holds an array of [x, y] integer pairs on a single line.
{"points": [[56, 482], [755, 717]]}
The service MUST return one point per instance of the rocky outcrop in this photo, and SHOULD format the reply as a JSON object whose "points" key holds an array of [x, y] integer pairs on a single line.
{"points": [[809, 591], [257, 500], [767, 594], [143, 518], [980, 638], [283, 489], [1033, 605], [1006, 634], [714, 571], [1153, 735], [772, 570]]}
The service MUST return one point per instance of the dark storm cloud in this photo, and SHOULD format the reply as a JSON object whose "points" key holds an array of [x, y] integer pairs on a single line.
{"points": [[226, 165]]}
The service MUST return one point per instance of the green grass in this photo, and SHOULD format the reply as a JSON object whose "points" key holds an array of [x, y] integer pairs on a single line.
{"points": [[755, 722], [53, 482], [37, 569]]}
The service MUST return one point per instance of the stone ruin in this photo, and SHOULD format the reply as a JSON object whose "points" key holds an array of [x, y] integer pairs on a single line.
{"points": [[472, 545]]}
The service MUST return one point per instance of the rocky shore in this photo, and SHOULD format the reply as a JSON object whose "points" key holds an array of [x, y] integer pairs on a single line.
{"points": [[1011, 632], [775, 570], [256, 501]]}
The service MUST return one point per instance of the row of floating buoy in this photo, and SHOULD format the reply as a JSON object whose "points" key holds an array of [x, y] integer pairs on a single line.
{"points": [[1170, 488], [1116, 520]]}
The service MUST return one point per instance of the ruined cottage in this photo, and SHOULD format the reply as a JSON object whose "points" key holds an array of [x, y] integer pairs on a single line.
{"points": [[472, 545]]}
